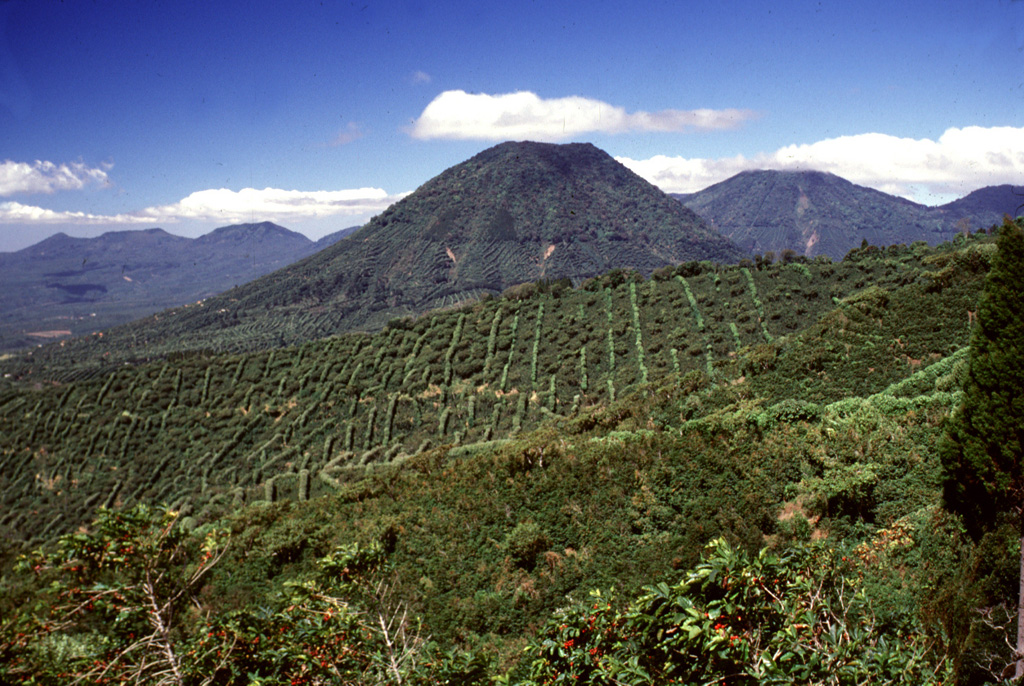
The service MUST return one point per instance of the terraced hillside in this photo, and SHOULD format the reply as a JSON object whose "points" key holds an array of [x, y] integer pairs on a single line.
{"points": [[212, 430], [510, 456], [514, 213]]}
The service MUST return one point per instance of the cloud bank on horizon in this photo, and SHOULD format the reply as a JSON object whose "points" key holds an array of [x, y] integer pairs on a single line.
{"points": [[959, 161], [221, 204]]}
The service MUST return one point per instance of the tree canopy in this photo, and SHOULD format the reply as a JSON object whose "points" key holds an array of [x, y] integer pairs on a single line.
{"points": [[984, 446]]}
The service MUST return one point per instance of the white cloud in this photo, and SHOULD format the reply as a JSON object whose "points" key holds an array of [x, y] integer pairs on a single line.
{"points": [[524, 115], [16, 213], [421, 77], [272, 204], [959, 161], [46, 177], [222, 205]]}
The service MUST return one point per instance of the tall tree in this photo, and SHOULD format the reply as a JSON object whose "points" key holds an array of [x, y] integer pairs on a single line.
{"points": [[983, 451]]}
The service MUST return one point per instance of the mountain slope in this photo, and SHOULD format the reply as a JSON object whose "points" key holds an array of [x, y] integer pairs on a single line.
{"points": [[815, 213], [196, 427], [66, 286], [517, 212], [985, 206], [526, 450], [332, 238]]}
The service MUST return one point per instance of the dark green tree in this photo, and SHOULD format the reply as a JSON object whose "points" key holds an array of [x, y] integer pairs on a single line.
{"points": [[983, 451]]}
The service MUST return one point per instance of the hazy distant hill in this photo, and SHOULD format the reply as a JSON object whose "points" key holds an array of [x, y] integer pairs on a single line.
{"points": [[65, 286], [985, 206], [815, 213], [517, 212], [332, 238]]}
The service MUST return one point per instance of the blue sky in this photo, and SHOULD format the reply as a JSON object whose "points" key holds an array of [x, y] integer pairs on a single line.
{"points": [[317, 115]]}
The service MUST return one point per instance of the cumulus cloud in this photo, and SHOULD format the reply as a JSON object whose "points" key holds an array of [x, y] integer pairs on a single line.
{"points": [[46, 177], [959, 161], [272, 203], [222, 204], [524, 115]]}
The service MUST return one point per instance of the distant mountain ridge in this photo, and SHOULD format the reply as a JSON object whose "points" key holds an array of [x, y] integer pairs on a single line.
{"points": [[66, 286], [514, 213], [523, 212], [519, 212], [817, 213], [986, 206]]}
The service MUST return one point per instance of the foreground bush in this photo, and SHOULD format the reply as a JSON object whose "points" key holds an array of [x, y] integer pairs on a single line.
{"points": [[801, 617], [124, 603]]}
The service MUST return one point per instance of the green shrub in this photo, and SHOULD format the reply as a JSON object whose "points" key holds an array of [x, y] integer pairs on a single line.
{"points": [[524, 543], [801, 617], [639, 333], [536, 345], [583, 368], [442, 423], [492, 342], [694, 309], [757, 303], [511, 352]]}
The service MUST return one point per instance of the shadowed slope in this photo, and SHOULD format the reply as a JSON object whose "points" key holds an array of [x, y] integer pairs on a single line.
{"points": [[813, 213]]}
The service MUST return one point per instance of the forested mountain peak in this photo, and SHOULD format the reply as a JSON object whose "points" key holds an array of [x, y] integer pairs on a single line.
{"points": [[60, 244], [253, 231], [986, 206], [819, 213], [573, 196], [813, 213], [514, 213]]}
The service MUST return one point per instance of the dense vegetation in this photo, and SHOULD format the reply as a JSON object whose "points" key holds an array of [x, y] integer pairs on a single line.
{"points": [[473, 475], [213, 429], [983, 454]]}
